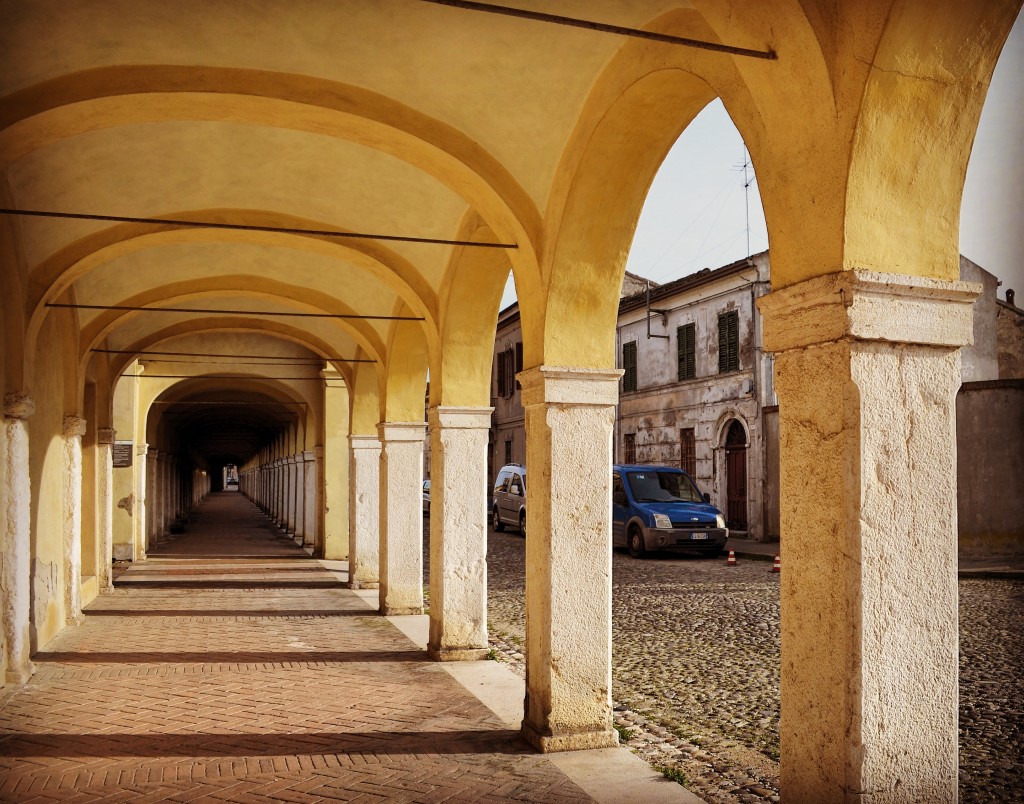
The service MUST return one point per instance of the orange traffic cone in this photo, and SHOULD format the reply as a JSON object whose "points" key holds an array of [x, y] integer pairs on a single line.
{"points": [[777, 566], [731, 562]]}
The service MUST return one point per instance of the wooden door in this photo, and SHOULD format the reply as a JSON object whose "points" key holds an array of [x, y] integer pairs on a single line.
{"points": [[736, 477]]}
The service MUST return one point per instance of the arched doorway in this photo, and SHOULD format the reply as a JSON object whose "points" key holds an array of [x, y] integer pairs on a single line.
{"points": [[736, 476]]}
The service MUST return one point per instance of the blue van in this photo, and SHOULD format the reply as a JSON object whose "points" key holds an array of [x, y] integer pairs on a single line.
{"points": [[661, 508]]}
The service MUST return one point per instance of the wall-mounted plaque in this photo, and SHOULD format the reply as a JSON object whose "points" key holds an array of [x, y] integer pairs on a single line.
{"points": [[122, 453]]}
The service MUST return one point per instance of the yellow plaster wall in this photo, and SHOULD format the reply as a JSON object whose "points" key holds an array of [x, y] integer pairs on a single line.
{"points": [[46, 471]]}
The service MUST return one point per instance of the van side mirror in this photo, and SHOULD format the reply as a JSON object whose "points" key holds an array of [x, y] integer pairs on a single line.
{"points": [[619, 498], [707, 497], [514, 489]]}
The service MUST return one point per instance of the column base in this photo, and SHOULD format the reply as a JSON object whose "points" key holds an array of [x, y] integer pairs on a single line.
{"points": [[400, 611], [363, 585], [20, 676], [579, 741], [457, 654], [77, 620]]}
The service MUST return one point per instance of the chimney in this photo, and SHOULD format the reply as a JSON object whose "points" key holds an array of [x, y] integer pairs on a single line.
{"points": [[1009, 297]]}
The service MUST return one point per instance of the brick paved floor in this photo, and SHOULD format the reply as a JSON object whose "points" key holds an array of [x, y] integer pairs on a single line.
{"points": [[232, 667]]}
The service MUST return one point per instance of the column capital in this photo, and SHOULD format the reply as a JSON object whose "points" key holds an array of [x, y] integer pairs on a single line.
{"points": [[869, 306], [18, 405], [143, 449], [569, 385], [364, 442], [106, 435], [460, 418], [308, 455], [402, 431], [74, 426]]}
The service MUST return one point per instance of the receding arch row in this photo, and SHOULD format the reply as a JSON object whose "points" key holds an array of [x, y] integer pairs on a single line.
{"points": [[96, 99], [60, 271]]}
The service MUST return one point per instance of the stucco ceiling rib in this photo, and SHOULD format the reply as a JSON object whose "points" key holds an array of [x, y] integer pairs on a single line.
{"points": [[242, 227]]}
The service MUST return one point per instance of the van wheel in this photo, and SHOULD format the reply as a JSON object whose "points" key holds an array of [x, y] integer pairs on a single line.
{"points": [[522, 524], [496, 520], [635, 543]]}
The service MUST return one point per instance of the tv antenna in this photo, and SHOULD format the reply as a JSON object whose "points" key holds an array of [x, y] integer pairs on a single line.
{"points": [[748, 179]]}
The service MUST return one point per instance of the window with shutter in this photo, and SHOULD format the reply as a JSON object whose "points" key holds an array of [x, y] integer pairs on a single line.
{"points": [[686, 345], [629, 366], [519, 360], [688, 451], [501, 374], [728, 342], [629, 448]]}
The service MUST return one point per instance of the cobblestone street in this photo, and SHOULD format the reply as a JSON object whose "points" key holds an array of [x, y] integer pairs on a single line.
{"points": [[696, 669]]}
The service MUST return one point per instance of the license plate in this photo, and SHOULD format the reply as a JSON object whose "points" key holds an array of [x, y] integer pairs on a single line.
{"points": [[698, 535]]}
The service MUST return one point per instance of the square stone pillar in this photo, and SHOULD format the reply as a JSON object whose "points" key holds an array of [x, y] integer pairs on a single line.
{"points": [[71, 491], [297, 494], [401, 517], [569, 417], [310, 480], [867, 370], [145, 460], [364, 507], [15, 571], [458, 533], [288, 480], [105, 505]]}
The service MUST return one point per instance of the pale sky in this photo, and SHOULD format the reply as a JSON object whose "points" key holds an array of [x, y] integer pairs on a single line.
{"points": [[694, 216]]}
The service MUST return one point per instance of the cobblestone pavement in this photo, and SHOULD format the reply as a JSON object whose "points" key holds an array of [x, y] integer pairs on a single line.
{"points": [[696, 669], [248, 674]]}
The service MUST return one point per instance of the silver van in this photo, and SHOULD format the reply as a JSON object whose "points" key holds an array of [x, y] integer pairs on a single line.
{"points": [[509, 507]]}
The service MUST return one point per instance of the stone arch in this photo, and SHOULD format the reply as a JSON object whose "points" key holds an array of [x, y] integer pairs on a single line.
{"points": [[460, 373], [295, 297], [904, 194], [95, 99], [603, 178], [405, 374]]}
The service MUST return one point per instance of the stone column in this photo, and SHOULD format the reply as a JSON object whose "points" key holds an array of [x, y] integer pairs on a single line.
{"points": [[143, 527], [17, 546], [458, 533], [569, 418], [867, 370], [105, 505], [74, 429], [401, 517], [294, 494], [364, 508], [310, 479]]}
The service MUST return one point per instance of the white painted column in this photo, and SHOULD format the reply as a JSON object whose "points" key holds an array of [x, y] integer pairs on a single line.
{"points": [[71, 492], [569, 418], [364, 512], [143, 527], [294, 493], [401, 517], [149, 495], [105, 505], [17, 545], [458, 533], [310, 480], [867, 370]]}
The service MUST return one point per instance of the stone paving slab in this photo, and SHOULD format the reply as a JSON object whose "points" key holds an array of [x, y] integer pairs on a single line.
{"points": [[215, 693]]}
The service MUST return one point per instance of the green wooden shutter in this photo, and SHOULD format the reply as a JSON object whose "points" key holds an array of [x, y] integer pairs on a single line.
{"points": [[686, 345], [629, 366], [728, 342]]}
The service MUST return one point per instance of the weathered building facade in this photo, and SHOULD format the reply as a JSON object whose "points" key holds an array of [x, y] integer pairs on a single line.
{"points": [[695, 383]]}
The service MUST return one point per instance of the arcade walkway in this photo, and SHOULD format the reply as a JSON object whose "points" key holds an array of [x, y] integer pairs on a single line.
{"points": [[231, 666]]}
